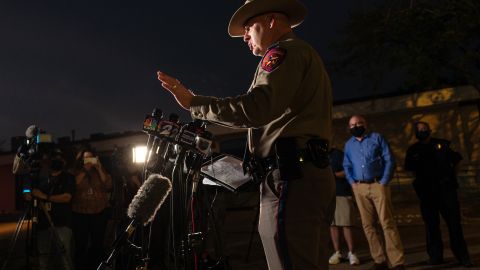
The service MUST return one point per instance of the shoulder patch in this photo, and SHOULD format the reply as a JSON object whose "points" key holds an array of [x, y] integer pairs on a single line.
{"points": [[273, 59]]}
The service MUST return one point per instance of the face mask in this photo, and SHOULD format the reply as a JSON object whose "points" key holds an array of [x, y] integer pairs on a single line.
{"points": [[357, 131], [422, 134], [56, 165]]}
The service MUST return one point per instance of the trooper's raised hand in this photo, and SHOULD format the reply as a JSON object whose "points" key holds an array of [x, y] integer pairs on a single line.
{"points": [[178, 90]]}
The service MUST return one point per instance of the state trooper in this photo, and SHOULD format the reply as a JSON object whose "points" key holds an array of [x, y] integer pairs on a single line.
{"points": [[287, 111]]}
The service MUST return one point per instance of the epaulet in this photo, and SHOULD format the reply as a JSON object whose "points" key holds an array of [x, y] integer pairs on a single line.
{"points": [[273, 58]]}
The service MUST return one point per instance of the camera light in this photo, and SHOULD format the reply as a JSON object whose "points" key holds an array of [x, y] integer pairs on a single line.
{"points": [[139, 154], [44, 138]]}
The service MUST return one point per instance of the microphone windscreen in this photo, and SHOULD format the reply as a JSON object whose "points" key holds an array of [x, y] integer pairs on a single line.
{"points": [[31, 131], [150, 196]]}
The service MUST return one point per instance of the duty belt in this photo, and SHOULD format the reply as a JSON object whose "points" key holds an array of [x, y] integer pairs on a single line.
{"points": [[269, 163], [287, 157]]}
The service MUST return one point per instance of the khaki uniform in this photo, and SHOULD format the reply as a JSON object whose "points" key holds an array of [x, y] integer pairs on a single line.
{"points": [[292, 98]]}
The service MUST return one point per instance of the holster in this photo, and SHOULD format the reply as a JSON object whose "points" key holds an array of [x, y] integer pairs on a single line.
{"points": [[317, 152], [291, 157], [288, 159], [258, 168]]}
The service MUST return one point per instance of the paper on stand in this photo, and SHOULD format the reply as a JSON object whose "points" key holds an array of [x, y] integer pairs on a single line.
{"points": [[228, 170]]}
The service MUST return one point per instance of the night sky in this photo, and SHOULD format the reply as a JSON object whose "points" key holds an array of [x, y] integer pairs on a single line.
{"points": [[91, 65]]}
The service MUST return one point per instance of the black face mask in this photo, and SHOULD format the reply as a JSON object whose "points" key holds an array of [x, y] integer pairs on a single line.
{"points": [[422, 134], [357, 131], [56, 165]]}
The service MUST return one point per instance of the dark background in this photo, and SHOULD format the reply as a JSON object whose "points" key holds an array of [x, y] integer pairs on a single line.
{"points": [[90, 66]]}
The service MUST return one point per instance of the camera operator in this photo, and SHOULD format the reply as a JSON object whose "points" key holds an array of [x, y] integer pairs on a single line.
{"points": [[53, 192]]}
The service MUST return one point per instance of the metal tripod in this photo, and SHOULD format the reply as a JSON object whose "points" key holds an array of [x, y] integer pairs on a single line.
{"points": [[31, 237]]}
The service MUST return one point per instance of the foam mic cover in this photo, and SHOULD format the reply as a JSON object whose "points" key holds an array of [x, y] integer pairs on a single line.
{"points": [[31, 131], [149, 198]]}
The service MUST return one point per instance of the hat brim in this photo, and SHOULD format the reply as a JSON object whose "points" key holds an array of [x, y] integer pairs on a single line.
{"points": [[295, 11]]}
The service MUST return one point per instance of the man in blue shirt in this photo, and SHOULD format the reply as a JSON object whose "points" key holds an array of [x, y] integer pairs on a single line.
{"points": [[369, 165]]}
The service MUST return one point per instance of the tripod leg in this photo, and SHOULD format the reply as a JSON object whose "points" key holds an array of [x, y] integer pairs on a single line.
{"points": [[32, 251], [57, 240], [14, 239]]}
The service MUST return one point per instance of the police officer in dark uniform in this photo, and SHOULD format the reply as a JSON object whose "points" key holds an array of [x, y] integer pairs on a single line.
{"points": [[434, 164], [287, 111]]}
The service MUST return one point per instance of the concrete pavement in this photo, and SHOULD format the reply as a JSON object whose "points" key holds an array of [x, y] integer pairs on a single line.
{"points": [[410, 225], [412, 235], [239, 225]]}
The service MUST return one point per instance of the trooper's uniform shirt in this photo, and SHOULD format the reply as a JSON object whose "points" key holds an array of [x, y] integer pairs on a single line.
{"points": [[290, 96]]}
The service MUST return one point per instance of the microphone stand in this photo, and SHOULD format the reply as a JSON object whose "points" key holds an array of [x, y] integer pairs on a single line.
{"points": [[177, 205], [182, 202], [119, 243], [122, 239], [144, 241]]}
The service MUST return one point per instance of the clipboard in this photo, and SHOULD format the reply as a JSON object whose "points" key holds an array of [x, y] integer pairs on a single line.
{"points": [[226, 171]]}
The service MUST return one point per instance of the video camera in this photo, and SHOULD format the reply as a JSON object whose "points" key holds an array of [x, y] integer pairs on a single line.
{"points": [[38, 145]]}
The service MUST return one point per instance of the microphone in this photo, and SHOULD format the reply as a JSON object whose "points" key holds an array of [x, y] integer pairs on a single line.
{"points": [[196, 137], [167, 132], [168, 129], [188, 133], [141, 210], [149, 198], [150, 123], [164, 135], [31, 131]]}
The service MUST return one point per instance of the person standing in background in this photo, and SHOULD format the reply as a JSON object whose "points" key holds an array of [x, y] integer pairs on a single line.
{"points": [[369, 165], [344, 218], [89, 206], [434, 166]]}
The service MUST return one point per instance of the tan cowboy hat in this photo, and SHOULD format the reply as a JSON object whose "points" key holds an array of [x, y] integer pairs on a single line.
{"points": [[295, 11]]}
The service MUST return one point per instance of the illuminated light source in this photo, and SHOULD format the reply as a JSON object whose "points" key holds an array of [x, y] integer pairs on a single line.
{"points": [[44, 138], [139, 154]]}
